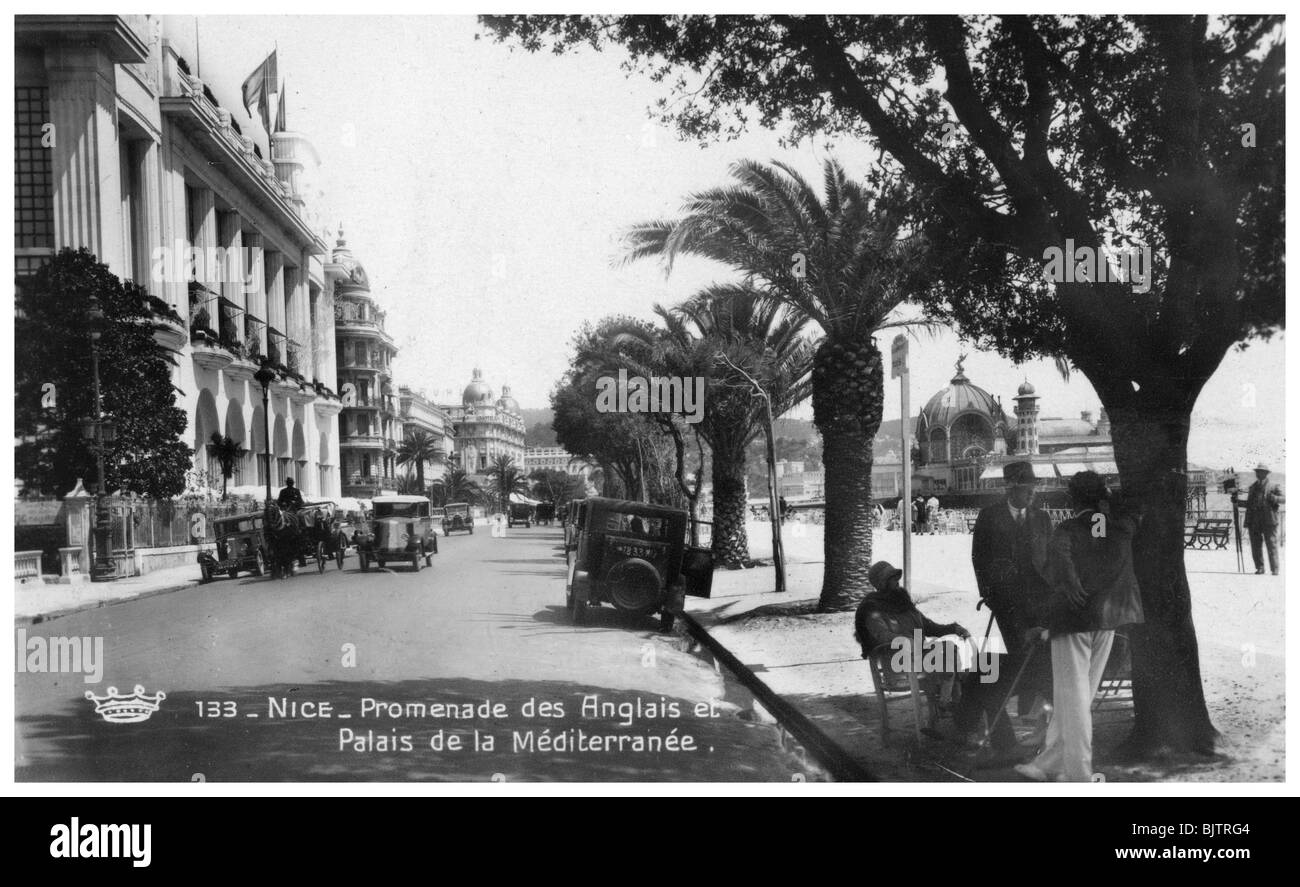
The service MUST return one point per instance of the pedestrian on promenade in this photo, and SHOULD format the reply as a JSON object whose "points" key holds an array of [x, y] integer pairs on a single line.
{"points": [[1094, 592], [1262, 501]]}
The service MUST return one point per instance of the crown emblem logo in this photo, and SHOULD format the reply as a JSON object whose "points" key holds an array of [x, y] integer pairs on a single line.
{"points": [[123, 709]]}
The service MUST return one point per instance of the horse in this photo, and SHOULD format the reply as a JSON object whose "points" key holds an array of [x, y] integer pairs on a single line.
{"points": [[284, 539]]}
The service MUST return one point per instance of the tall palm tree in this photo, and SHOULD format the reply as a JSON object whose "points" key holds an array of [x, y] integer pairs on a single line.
{"points": [[844, 261], [418, 448], [227, 452], [506, 479], [722, 327], [456, 486]]}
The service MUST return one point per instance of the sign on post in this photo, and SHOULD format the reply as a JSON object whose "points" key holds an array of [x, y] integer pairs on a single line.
{"points": [[899, 371]]}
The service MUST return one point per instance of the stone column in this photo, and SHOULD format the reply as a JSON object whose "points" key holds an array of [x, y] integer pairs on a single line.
{"points": [[84, 155], [255, 295], [77, 513]]}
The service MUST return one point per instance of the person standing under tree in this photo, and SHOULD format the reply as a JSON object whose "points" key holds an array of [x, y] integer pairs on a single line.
{"points": [[1262, 501], [1094, 592]]}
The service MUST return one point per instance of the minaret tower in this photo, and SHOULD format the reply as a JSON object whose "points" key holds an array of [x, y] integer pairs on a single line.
{"points": [[1026, 420]]}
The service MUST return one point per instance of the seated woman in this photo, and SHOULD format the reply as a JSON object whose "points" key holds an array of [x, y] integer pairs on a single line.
{"points": [[888, 613]]}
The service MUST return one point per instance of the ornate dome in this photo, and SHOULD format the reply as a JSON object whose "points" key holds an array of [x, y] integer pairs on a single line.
{"points": [[343, 256], [960, 397], [507, 402], [1025, 389], [477, 392]]}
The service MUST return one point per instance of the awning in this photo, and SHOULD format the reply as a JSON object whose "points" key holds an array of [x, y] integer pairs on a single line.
{"points": [[993, 472], [1069, 469], [1105, 467], [521, 499]]}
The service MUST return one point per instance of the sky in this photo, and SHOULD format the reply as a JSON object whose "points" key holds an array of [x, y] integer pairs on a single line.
{"points": [[485, 190]]}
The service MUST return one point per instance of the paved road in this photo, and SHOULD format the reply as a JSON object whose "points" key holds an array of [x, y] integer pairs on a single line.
{"points": [[483, 628]]}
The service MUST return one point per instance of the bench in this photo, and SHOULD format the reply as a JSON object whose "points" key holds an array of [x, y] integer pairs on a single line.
{"points": [[1207, 533]]}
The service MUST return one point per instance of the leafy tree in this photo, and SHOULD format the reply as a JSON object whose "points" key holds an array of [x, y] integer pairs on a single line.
{"points": [[417, 449], [719, 336], [1021, 134], [558, 487], [840, 262], [52, 358], [227, 452]]}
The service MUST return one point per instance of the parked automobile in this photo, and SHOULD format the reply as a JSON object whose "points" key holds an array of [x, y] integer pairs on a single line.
{"points": [[241, 547], [400, 529], [545, 513], [572, 518], [520, 513], [457, 519], [636, 557]]}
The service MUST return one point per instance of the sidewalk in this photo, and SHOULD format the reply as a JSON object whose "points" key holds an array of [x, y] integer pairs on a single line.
{"points": [[44, 601], [812, 660]]}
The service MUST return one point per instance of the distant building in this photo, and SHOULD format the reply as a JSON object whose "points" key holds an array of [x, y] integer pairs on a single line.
{"points": [[485, 428], [369, 424], [418, 413], [963, 437], [555, 459]]}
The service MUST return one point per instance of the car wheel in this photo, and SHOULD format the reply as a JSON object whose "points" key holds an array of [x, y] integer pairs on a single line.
{"points": [[415, 559], [365, 562], [233, 573], [338, 556], [260, 567], [666, 621], [379, 561], [205, 574], [321, 557]]}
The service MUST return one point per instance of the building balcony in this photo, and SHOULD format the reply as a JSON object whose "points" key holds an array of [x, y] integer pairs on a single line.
{"points": [[209, 353], [124, 37], [362, 441]]}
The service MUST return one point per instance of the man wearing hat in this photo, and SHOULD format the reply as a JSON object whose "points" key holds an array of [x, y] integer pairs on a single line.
{"points": [[1262, 501], [1009, 553]]}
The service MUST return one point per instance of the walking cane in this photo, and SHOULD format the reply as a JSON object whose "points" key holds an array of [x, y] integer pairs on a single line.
{"points": [[1002, 709]]}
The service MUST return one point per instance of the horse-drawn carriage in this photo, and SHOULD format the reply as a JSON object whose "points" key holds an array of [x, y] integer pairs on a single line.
{"points": [[292, 537]]}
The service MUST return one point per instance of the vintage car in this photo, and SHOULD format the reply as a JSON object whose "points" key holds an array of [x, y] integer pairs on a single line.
{"points": [[572, 518], [399, 530], [520, 513], [545, 513], [636, 557], [457, 519], [241, 546]]}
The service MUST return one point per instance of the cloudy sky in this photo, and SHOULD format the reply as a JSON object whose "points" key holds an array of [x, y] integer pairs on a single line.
{"points": [[485, 189]]}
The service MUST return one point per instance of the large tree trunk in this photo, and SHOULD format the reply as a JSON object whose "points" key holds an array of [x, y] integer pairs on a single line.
{"points": [[848, 399], [730, 540], [1150, 439]]}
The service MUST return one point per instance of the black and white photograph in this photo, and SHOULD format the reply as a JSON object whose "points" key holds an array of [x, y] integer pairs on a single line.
{"points": [[623, 398]]}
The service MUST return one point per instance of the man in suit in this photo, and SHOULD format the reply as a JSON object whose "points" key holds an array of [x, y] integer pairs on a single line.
{"points": [[1262, 501], [1094, 592], [1009, 553]]}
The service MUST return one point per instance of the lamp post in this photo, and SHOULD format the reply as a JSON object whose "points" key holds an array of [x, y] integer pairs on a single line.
{"points": [[265, 376], [101, 432]]}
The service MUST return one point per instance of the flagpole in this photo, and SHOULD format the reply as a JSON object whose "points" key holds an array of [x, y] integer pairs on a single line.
{"points": [[198, 56]]}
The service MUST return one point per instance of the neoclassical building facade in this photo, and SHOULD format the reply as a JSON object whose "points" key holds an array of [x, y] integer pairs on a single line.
{"points": [[370, 424], [486, 428], [122, 148]]}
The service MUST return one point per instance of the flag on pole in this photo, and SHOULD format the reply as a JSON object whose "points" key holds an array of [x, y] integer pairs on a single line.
{"points": [[279, 112], [257, 88]]}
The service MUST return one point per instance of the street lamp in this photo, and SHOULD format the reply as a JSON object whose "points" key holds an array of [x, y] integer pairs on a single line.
{"points": [[102, 433], [265, 376]]}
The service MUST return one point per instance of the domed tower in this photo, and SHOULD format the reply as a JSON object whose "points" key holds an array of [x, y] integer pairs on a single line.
{"points": [[1026, 420], [507, 403], [369, 424], [962, 421], [477, 392]]}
